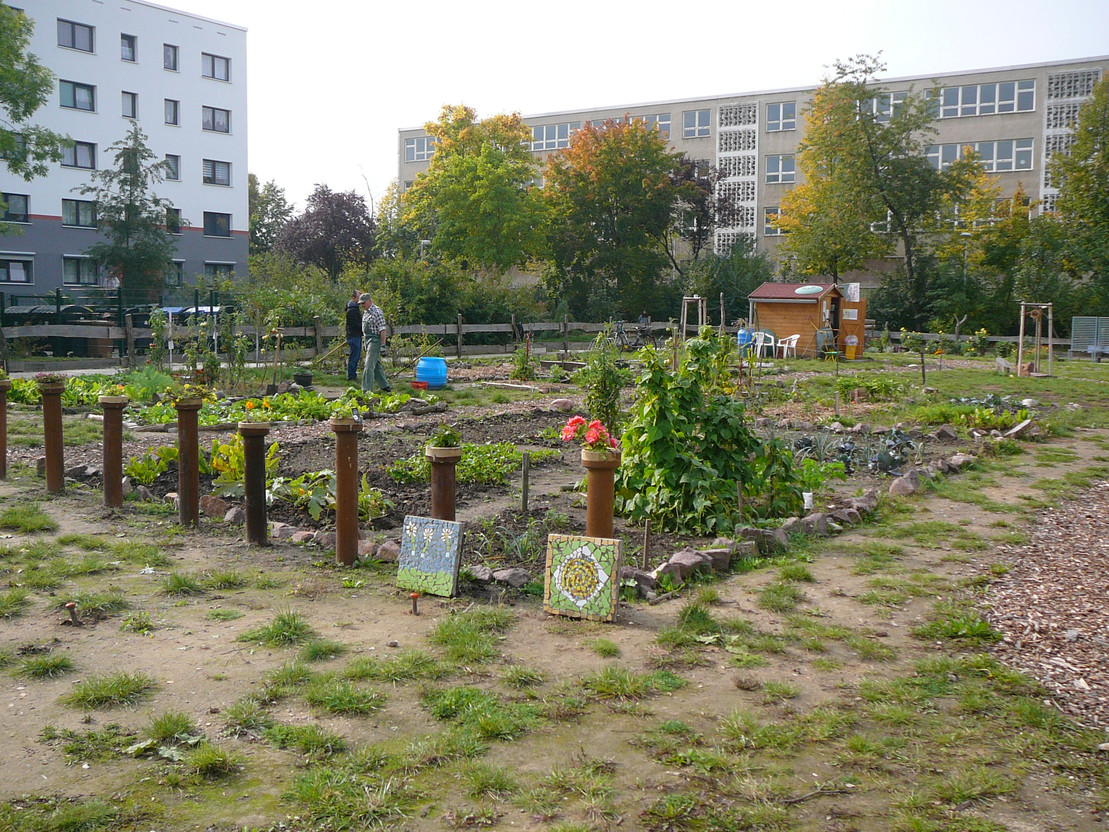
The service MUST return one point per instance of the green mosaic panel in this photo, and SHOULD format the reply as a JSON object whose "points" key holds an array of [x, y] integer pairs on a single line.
{"points": [[430, 553], [582, 579]]}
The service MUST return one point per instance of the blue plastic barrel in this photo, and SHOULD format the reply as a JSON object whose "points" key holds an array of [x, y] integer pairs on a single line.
{"points": [[433, 371]]}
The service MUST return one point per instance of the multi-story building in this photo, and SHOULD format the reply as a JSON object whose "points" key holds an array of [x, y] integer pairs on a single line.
{"points": [[182, 79], [1015, 117]]}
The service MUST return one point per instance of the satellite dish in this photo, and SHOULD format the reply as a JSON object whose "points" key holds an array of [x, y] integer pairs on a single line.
{"points": [[810, 289]]}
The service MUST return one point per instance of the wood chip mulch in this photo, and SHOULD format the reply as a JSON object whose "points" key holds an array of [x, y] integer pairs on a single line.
{"points": [[1052, 607]]}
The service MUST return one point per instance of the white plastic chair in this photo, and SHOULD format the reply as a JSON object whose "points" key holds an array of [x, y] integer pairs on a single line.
{"points": [[764, 340], [788, 346]]}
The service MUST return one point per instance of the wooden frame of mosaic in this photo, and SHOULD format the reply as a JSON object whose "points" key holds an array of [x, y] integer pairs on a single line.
{"points": [[582, 576]]}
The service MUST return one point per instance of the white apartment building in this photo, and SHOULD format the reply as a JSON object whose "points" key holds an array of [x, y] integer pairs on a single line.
{"points": [[183, 80], [1016, 117]]}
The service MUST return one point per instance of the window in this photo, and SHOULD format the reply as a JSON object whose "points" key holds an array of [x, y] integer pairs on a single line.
{"points": [[169, 56], [217, 119], [988, 99], [780, 169], [660, 121], [217, 173], [173, 167], [79, 212], [75, 35], [130, 105], [173, 111], [173, 220], [218, 269], [419, 149], [175, 273], [79, 271], [882, 106], [80, 155], [15, 208], [128, 48], [769, 216], [15, 269], [995, 157], [217, 225], [213, 66], [553, 136], [695, 124], [77, 96], [781, 116]]}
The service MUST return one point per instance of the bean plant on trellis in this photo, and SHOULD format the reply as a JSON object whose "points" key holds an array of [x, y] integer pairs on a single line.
{"points": [[603, 378], [689, 454]]}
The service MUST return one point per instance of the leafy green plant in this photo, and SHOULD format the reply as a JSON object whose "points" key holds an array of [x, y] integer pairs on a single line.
{"points": [[445, 436], [487, 464], [152, 464], [27, 519], [228, 462], [314, 492], [524, 364], [112, 690], [603, 378]]}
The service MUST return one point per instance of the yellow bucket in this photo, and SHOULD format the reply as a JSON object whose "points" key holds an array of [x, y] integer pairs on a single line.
{"points": [[849, 351]]}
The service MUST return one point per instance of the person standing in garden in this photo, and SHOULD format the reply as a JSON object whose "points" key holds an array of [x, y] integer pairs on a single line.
{"points": [[373, 333], [354, 334]]}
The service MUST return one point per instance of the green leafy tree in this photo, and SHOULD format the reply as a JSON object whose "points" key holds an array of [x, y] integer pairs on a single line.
{"points": [[1082, 177], [611, 197], [137, 248], [478, 202], [735, 275], [25, 85], [269, 211], [864, 158]]}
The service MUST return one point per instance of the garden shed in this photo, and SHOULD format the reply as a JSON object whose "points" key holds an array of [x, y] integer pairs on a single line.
{"points": [[822, 314]]}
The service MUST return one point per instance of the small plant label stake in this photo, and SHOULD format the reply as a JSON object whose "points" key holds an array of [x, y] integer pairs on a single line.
{"points": [[430, 554], [582, 576]]}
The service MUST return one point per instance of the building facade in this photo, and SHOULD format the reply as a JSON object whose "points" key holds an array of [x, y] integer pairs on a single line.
{"points": [[183, 80], [1015, 117]]}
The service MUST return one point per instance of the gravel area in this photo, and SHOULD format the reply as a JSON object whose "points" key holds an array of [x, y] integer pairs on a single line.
{"points": [[1052, 607]]}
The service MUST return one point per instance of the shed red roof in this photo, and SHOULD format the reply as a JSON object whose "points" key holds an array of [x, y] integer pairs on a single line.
{"points": [[788, 291]]}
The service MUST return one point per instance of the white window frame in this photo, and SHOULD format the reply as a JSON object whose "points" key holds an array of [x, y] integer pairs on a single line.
{"points": [[210, 65], [781, 116], [660, 121], [132, 99], [71, 156], [697, 127], [779, 171], [1019, 155], [215, 172], [553, 136], [79, 206], [769, 230], [26, 258], [209, 120], [73, 88], [133, 40], [72, 27], [997, 98], [419, 149]]}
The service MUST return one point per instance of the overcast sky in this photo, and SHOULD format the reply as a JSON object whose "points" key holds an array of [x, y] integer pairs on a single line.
{"points": [[332, 81]]}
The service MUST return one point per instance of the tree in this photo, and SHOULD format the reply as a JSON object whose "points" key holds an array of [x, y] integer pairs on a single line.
{"points": [[478, 201], [735, 275], [611, 199], [269, 212], [25, 85], [334, 231], [864, 156], [701, 206], [1082, 177], [137, 249]]}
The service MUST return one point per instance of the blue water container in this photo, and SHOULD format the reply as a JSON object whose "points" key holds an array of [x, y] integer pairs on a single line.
{"points": [[433, 371]]}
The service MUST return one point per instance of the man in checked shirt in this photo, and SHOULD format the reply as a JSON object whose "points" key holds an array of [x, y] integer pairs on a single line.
{"points": [[373, 334]]}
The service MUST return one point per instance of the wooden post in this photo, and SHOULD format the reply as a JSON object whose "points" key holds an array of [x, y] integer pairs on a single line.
{"points": [[5, 386], [513, 324], [1050, 341], [113, 448], [346, 489], [52, 434], [566, 334], [1020, 342], [525, 472], [188, 461], [129, 338], [646, 541], [319, 335], [721, 314], [254, 480], [458, 346]]}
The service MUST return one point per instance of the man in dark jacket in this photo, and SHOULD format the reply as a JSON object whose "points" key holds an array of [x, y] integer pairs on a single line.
{"points": [[354, 334]]}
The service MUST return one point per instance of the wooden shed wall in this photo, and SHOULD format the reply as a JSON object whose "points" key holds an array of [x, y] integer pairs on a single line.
{"points": [[785, 319]]}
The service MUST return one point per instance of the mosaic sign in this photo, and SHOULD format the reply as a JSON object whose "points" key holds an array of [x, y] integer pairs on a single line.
{"points": [[582, 578], [430, 552]]}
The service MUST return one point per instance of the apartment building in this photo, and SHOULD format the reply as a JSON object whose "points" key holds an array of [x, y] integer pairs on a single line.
{"points": [[182, 79], [1016, 118]]}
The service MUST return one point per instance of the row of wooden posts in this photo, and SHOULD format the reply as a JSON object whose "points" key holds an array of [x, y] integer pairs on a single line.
{"points": [[600, 469]]}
